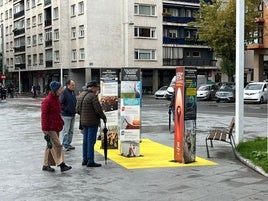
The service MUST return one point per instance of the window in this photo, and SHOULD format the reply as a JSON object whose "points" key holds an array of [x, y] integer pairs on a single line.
{"points": [[6, 14], [144, 32], [147, 10], [40, 18], [82, 54], [48, 34], [74, 56], [172, 34], [34, 40], [81, 31], [41, 59], [29, 60], [72, 10], [10, 13], [33, 3], [29, 41], [56, 34], [19, 42], [73, 32], [81, 7], [49, 56], [40, 39], [57, 55], [28, 23], [20, 59], [196, 54], [141, 54], [27, 4], [56, 13], [34, 21], [35, 59]]}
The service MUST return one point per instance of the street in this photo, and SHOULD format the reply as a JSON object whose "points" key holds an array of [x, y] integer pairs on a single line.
{"points": [[22, 146]]}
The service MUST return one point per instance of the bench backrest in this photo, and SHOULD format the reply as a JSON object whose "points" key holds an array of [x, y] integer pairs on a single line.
{"points": [[231, 126]]}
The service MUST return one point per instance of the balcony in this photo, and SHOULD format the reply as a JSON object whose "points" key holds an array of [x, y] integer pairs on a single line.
{"points": [[48, 43], [19, 14], [189, 62], [187, 1], [48, 22]]}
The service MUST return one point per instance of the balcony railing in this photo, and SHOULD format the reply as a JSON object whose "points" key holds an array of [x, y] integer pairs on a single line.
{"points": [[48, 22], [182, 41], [19, 14], [188, 1], [189, 62], [21, 66], [183, 20], [18, 31], [49, 63], [19, 49], [48, 43]]}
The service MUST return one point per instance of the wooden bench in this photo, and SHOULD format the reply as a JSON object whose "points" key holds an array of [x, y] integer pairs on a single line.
{"points": [[221, 134]]}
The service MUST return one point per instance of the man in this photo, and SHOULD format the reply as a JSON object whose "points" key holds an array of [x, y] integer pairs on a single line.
{"points": [[52, 124], [90, 110], [68, 111]]}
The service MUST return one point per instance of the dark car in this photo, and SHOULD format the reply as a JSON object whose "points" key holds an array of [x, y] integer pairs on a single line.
{"points": [[207, 91], [226, 92]]}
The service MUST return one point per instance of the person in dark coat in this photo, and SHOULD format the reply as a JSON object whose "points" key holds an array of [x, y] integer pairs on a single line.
{"points": [[52, 124], [68, 111], [90, 111]]}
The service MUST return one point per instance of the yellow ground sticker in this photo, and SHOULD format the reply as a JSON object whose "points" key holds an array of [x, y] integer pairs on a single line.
{"points": [[153, 155]]}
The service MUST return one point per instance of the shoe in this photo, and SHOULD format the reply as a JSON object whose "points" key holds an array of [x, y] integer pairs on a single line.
{"points": [[93, 165], [71, 147], [48, 168], [64, 167], [84, 162], [66, 149], [49, 144]]}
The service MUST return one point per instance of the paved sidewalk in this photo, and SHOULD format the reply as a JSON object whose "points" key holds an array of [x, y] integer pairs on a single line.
{"points": [[21, 157]]}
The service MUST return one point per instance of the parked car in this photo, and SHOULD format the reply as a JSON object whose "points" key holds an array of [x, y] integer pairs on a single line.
{"points": [[256, 92], [207, 91], [226, 92], [161, 93]]}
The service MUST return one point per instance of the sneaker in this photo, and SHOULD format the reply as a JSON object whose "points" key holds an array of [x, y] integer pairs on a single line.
{"points": [[93, 165], [48, 168], [71, 147], [64, 167], [84, 162], [66, 149]]}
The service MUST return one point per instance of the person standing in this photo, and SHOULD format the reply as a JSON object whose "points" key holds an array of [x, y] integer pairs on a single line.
{"points": [[52, 124], [90, 111], [68, 111]]}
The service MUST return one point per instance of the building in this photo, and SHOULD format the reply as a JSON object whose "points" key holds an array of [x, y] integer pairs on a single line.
{"points": [[48, 40]]}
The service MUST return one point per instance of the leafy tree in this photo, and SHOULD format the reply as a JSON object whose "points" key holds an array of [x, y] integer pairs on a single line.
{"points": [[216, 23]]}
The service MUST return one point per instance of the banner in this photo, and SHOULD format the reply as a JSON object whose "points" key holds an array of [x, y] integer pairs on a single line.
{"points": [[185, 115], [130, 112], [109, 101]]}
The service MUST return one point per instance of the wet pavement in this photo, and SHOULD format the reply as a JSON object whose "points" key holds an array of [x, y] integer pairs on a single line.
{"points": [[22, 149]]}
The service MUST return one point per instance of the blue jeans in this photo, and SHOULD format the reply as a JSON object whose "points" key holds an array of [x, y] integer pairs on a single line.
{"points": [[67, 131], [89, 140]]}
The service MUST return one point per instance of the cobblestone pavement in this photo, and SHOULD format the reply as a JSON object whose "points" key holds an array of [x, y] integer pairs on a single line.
{"points": [[21, 157]]}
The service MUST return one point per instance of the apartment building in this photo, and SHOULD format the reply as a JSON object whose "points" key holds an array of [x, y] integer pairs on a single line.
{"points": [[47, 40]]}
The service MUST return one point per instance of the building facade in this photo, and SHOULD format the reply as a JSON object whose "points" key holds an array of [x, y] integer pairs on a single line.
{"points": [[45, 40]]}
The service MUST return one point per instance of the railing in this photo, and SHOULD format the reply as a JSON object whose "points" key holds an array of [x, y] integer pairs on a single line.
{"points": [[182, 41], [189, 62], [183, 20], [48, 22], [49, 63], [19, 49], [19, 14], [48, 43], [21, 66], [187, 1], [18, 31]]}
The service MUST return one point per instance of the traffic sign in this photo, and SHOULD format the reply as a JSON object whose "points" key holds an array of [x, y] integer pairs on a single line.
{"points": [[3, 77]]}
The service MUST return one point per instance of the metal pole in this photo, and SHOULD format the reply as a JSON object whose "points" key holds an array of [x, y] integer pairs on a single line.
{"points": [[239, 75], [61, 75], [19, 82], [3, 52]]}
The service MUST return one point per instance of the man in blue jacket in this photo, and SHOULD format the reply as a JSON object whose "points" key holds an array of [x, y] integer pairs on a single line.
{"points": [[68, 111]]}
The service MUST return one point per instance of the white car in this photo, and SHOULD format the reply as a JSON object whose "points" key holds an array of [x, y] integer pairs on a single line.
{"points": [[161, 93], [256, 92]]}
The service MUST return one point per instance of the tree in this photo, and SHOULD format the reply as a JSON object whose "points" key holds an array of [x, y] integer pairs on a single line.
{"points": [[216, 24]]}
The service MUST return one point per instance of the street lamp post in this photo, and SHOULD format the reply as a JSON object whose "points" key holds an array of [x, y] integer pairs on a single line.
{"points": [[3, 52]]}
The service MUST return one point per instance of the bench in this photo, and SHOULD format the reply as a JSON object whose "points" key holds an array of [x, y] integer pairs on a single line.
{"points": [[221, 134]]}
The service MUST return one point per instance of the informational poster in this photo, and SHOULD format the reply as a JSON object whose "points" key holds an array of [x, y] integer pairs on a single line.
{"points": [[185, 115], [109, 101], [130, 121]]}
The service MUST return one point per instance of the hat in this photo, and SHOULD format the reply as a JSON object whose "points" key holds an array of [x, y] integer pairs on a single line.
{"points": [[92, 84], [54, 86]]}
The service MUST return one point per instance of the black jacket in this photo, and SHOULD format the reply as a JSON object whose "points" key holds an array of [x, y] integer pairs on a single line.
{"points": [[68, 103]]}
